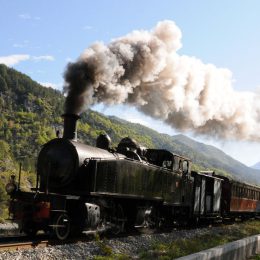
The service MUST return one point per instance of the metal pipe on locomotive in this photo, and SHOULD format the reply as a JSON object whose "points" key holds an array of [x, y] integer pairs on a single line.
{"points": [[85, 188]]}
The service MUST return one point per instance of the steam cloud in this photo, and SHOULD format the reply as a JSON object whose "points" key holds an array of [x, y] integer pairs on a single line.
{"points": [[143, 69]]}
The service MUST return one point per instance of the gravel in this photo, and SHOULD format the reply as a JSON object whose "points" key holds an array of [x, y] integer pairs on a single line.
{"points": [[131, 246]]}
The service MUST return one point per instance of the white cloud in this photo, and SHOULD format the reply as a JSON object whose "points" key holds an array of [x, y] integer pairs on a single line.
{"points": [[14, 59], [28, 17], [19, 45], [25, 16], [43, 57], [41, 71], [52, 85], [87, 27], [24, 44], [137, 120], [68, 59]]}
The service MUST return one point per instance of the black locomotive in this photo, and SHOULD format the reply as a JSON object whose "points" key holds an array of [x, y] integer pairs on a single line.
{"points": [[85, 188]]}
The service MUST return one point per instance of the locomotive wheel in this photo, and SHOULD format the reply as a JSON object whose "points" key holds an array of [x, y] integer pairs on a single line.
{"points": [[117, 220], [61, 226]]}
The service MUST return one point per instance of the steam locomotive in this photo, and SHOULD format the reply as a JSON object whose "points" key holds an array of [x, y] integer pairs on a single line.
{"points": [[85, 188]]}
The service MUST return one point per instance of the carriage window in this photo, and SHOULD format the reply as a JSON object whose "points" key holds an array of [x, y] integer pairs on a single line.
{"points": [[175, 163], [180, 165], [185, 167]]}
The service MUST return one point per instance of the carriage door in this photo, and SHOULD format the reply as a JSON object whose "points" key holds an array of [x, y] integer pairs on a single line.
{"points": [[199, 196], [202, 196], [217, 195], [187, 190]]}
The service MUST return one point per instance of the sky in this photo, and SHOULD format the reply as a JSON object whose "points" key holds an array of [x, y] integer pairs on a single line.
{"points": [[39, 38]]}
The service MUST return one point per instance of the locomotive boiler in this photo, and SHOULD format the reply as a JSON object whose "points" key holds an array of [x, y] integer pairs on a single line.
{"points": [[85, 188]]}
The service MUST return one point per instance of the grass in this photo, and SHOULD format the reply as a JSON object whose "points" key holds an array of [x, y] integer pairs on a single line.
{"points": [[182, 246], [107, 251], [255, 257]]}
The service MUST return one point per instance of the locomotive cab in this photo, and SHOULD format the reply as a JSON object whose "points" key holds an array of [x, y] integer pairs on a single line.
{"points": [[168, 160]]}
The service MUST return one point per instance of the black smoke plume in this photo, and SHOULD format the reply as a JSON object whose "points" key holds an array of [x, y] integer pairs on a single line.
{"points": [[143, 69]]}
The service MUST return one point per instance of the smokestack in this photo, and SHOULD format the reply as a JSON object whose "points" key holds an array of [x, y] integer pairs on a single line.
{"points": [[70, 126]]}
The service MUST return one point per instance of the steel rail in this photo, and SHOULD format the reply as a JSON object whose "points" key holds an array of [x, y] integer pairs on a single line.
{"points": [[23, 245]]}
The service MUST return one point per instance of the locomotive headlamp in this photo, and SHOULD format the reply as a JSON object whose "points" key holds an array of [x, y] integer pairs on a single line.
{"points": [[10, 186]]}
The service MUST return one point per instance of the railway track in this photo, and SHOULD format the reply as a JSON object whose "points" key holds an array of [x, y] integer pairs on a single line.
{"points": [[23, 245], [23, 242], [14, 243]]}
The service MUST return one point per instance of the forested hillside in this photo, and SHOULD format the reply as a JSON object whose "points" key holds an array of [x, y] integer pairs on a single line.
{"points": [[31, 114]]}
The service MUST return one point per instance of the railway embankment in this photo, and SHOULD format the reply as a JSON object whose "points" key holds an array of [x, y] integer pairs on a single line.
{"points": [[157, 246], [238, 250]]}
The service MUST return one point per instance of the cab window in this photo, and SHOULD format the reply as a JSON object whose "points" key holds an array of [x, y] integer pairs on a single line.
{"points": [[167, 164]]}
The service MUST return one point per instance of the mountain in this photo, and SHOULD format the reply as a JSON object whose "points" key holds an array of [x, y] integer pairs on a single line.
{"points": [[210, 156], [256, 166], [204, 156], [30, 116]]}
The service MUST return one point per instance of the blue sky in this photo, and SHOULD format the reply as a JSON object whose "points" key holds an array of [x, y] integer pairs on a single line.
{"points": [[45, 35]]}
